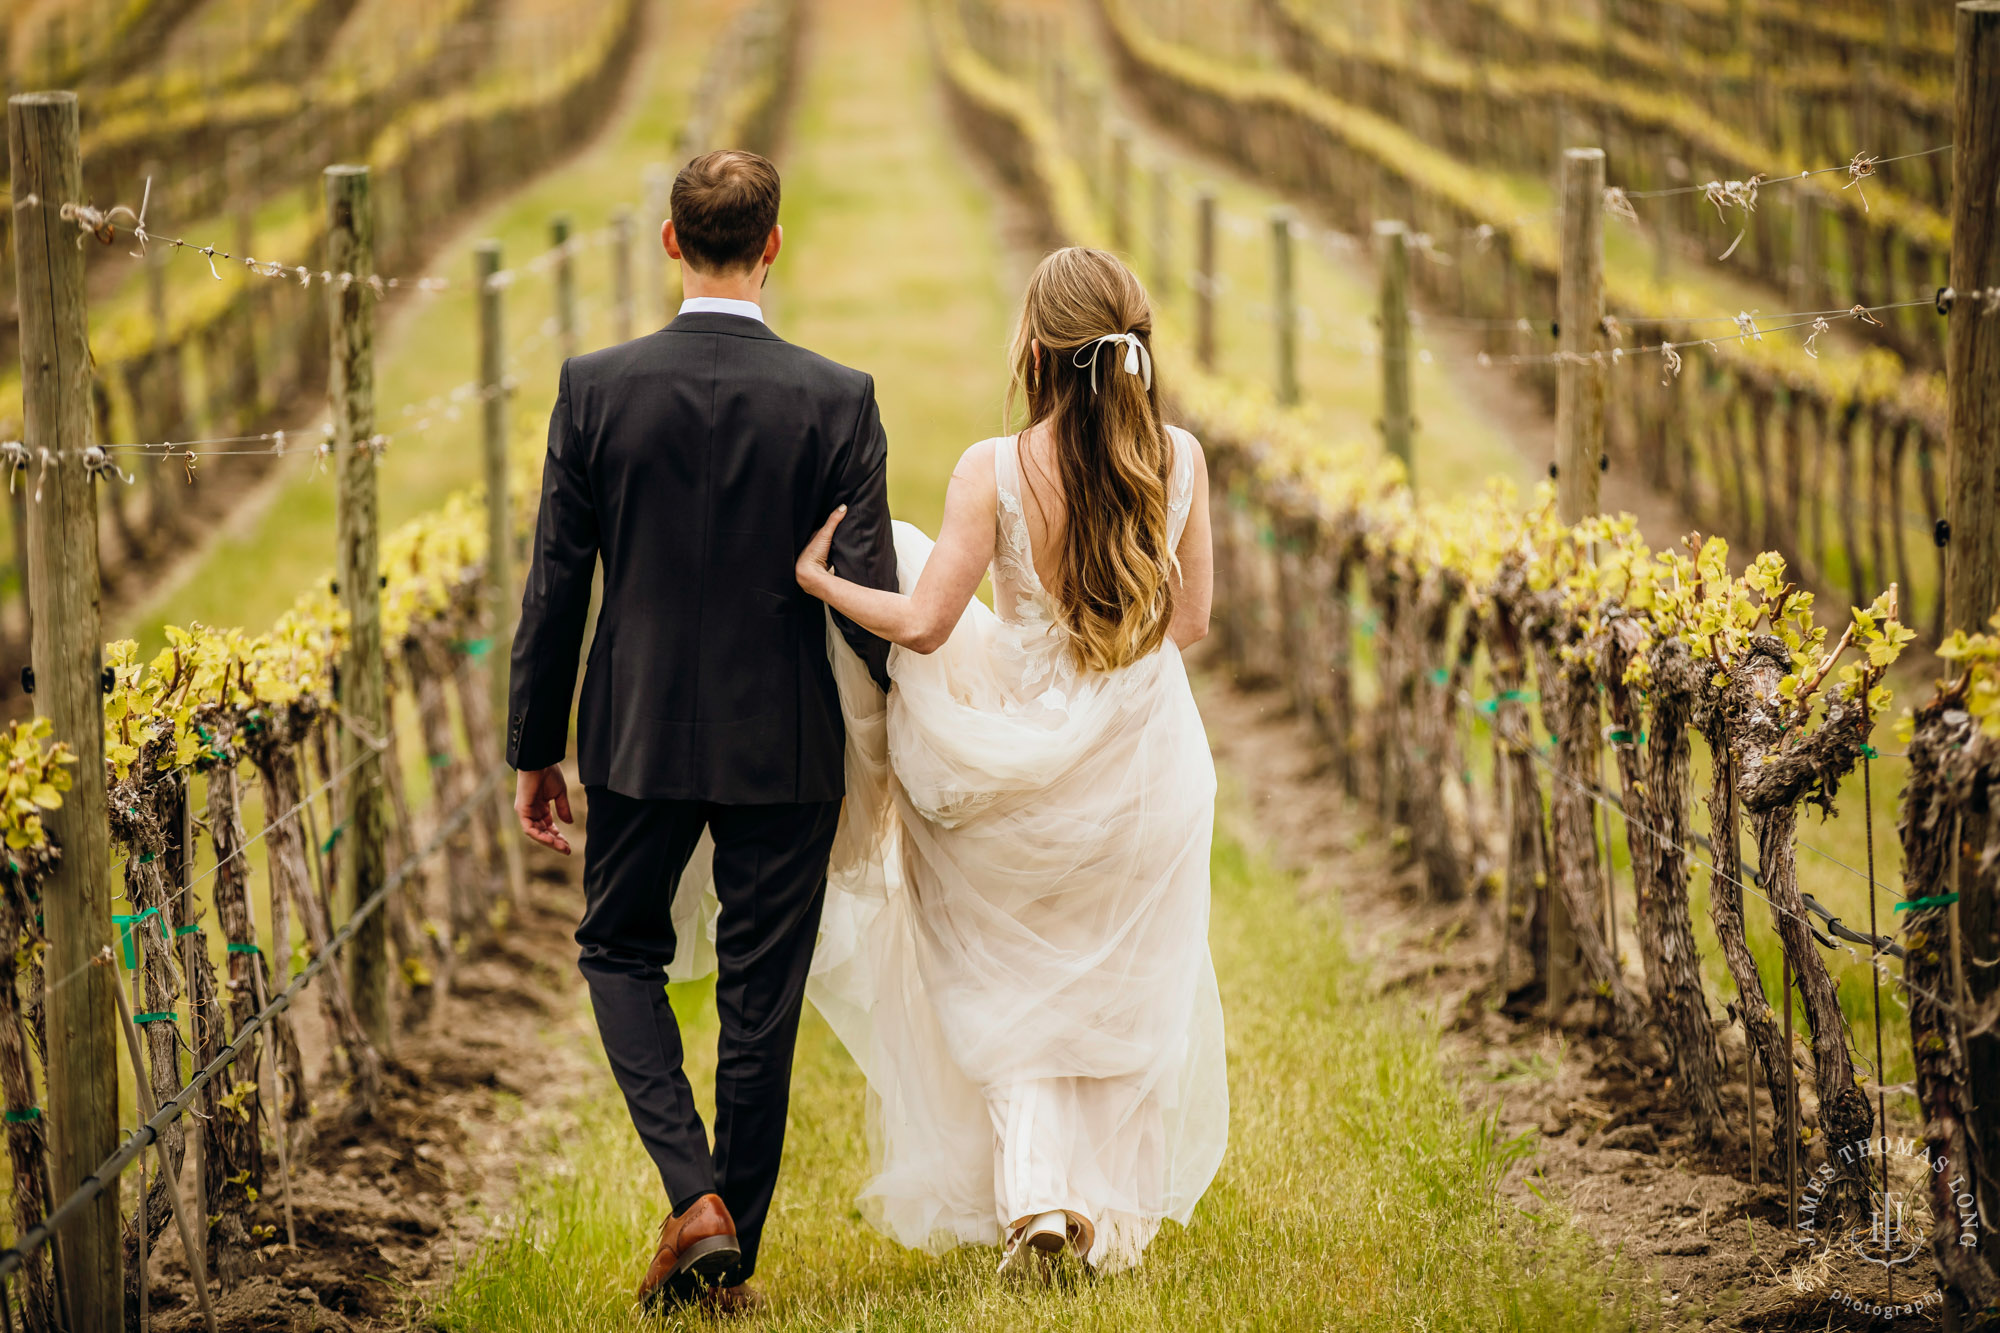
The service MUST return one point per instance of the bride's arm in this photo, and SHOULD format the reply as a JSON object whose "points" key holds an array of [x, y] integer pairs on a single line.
{"points": [[922, 620], [1194, 594]]}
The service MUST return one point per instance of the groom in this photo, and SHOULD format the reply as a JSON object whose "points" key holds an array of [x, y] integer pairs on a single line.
{"points": [[695, 463]]}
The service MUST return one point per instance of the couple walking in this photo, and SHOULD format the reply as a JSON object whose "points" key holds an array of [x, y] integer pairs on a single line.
{"points": [[978, 840]]}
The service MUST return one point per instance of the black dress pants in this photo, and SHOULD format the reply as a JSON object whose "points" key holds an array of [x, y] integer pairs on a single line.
{"points": [[770, 874]]}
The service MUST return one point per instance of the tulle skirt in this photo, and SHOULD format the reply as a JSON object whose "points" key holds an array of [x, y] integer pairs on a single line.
{"points": [[1015, 942]]}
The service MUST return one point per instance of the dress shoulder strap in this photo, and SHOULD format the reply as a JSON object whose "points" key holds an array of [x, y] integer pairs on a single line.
{"points": [[1014, 554], [1180, 483], [1007, 467]]}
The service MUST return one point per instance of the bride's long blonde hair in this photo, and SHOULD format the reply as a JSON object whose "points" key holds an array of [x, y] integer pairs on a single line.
{"points": [[1113, 585]]}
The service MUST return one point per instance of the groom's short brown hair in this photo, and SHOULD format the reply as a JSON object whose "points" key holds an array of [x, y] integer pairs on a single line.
{"points": [[724, 206]]}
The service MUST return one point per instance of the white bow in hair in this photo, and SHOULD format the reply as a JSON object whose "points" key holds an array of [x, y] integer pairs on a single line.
{"points": [[1138, 361]]}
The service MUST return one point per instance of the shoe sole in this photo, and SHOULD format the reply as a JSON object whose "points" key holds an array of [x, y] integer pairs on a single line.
{"points": [[703, 1266]]}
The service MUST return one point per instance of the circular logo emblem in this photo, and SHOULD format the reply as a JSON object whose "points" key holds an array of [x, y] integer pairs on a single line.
{"points": [[1881, 1265]]}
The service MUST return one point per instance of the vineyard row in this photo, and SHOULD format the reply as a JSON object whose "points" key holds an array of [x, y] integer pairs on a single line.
{"points": [[395, 654], [1380, 614]]}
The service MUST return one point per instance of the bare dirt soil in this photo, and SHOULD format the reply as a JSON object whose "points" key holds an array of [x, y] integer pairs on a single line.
{"points": [[386, 1210], [1608, 1139]]}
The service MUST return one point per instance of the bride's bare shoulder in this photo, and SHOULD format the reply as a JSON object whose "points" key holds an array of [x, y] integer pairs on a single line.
{"points": [[975, 465]]}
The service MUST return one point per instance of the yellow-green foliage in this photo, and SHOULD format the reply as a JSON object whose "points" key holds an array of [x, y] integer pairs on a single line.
{"points": [[131, 332], [1977, 657], [1877, 376], [185, 98], [1869, 29], [490, 102], [1585, 39], [37, 775], [1585, 90], [1600, 567], [163, 710]]}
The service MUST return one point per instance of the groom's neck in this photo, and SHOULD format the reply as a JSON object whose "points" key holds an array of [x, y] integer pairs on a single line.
{"points": [[744, 286]]}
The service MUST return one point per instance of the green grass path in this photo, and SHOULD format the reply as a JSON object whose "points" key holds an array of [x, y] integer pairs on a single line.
{"points": [[1356, 1193]]}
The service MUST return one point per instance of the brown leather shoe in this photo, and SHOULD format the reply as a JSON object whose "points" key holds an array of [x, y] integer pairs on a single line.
{"points": [[696, 1249], [729, 1302]]}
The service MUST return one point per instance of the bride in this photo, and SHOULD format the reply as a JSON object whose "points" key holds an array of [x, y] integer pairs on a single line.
{"points": [[1015, 943]]}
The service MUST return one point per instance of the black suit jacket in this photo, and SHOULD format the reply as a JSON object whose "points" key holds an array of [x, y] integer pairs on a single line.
{"points": [[695, 463]]}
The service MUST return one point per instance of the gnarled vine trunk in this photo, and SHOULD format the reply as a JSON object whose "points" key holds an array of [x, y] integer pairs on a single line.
{"points": [[1654, 773], [27, 1132], [1524, 905], [233, 1145], [470, 884], [1336, 643], [1429, 658], [1569, 711], [423, 945], [1951, 768], [1779, 772], [1725, 912], [496, 830], [291, 877], [139, 823]]}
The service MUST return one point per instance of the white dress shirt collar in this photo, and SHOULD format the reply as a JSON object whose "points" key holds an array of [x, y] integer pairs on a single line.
{"points": [[722, 305]]}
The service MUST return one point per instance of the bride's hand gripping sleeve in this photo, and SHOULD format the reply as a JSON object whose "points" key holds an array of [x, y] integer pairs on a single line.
{"points": [[548, 641], [864, 548]]}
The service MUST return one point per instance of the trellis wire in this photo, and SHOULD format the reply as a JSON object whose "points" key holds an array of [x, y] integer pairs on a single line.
{"points": [[142, 1138], [1859, 168], [15, 458], [1883, 947], [381, 746]]}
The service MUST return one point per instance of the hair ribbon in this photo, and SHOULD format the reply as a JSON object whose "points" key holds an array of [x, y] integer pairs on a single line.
{"points": [[1138, 361]]}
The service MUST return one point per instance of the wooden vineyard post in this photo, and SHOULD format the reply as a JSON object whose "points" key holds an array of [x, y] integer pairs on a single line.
{"points": [[1284, 308], [1972, 512], [1580, 320], [1972, 355], [1805, 284], [1087, 133], [350, 242], [167, 412], [66, 650], [244, 156], [1392, 256], [621, 278], [566, 333], [1579, 439], [493, 446], [499, 532], [1204, 280], [1120, 191], [1163, 233], [659, 199]]}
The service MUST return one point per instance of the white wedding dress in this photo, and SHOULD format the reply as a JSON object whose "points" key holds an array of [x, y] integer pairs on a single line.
{"points": [[1015, 941]]}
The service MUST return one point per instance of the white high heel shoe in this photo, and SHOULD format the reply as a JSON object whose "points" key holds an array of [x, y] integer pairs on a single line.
{"points": [[1046, 1236]]}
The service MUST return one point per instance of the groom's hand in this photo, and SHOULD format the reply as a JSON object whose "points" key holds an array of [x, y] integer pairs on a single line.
{"points": [[540, 798]]}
